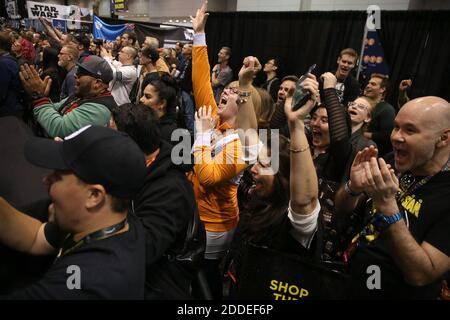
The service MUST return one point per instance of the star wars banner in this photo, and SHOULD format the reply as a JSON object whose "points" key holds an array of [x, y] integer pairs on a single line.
{"points": [[37, 10]]}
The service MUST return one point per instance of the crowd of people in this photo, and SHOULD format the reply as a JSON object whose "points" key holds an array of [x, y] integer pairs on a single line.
{"points": [[343, 171]]}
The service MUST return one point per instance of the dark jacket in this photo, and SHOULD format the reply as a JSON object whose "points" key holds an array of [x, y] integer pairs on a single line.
{"points": [[57, 80], [168, 124], [381, 126], [165, 205], [10, 86]]}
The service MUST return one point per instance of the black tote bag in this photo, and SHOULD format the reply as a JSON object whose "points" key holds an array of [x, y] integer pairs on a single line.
{"points": [[272, 275]]}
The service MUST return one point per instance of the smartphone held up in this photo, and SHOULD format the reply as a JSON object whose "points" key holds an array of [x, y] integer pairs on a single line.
{"points": [[301, 95]]}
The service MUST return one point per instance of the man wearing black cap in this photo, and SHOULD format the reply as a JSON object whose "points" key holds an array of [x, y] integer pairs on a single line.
{"points": [[101, 248], [90, 104]]}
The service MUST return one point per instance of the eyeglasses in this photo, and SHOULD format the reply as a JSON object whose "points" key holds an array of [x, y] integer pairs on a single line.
{"points": [[233, 90], [358, 106]]}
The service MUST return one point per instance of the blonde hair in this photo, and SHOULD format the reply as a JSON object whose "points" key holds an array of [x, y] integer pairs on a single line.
{"points": [[349, 51], [267, 108]]}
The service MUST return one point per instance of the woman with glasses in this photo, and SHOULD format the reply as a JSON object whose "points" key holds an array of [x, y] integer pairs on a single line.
{"points": [[360, 113], [219, 158]]}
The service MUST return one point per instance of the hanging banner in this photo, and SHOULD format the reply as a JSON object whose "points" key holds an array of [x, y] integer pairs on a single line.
{"points": [[72, 13], [104, 31], [11, 9], [372, 60], [167, 36]]}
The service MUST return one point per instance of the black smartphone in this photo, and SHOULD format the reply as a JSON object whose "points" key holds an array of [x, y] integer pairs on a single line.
{"points": [[300, 94]]}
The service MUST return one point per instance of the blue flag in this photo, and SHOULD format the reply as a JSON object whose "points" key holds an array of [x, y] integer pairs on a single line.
{"points": [[107, 31], [60, 24]]}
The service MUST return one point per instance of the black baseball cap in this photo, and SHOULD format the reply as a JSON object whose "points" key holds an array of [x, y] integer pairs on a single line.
{"points": [[96, 155], [96, 67]]}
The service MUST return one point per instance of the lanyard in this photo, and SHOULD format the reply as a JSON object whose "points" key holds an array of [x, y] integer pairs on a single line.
{"points": [[408, 179], [369, 233], [70, 245]]}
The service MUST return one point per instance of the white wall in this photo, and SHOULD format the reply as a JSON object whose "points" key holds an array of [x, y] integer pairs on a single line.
{"points": [[318, 5], [330, 5], [163, 10], [268, 5], [104, 9]]}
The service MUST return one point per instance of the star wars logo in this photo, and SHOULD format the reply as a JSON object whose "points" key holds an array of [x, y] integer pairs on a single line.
{"points": [[44, 11]]}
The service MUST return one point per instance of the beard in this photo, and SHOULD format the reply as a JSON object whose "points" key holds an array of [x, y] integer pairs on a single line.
{"points": [[83, 90]]}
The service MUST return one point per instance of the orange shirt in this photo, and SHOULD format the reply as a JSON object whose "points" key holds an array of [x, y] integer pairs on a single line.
{"points": [[217, 165]]}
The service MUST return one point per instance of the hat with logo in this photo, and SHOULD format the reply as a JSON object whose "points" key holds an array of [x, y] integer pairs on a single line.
{"points": [[96, 155], [96, 67]]}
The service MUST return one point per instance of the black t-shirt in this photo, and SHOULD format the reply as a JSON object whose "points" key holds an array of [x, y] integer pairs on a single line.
{"points": [[427, 211], [347, 90], [111, 268]]}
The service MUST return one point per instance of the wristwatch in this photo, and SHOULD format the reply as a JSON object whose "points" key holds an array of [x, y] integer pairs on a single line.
{"points": [[36, 95], [382, 222]]}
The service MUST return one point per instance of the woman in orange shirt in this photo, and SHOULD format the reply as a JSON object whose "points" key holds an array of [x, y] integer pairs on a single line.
{"points": [[218, 154]]}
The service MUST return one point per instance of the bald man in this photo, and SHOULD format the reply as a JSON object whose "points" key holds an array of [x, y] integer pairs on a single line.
{"points": [[125, 74], [405, 251]]}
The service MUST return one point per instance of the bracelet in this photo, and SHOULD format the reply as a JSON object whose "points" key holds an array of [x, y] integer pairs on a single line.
{"points": [[244, 94], [349, 190], [299, 150]]}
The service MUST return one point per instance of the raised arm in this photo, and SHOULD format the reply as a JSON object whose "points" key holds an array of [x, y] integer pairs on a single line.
{"points": [[402, 94], [201, 82], [246, 120], [340, 146], [52, 32], [303, 177], [304, 206]]}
